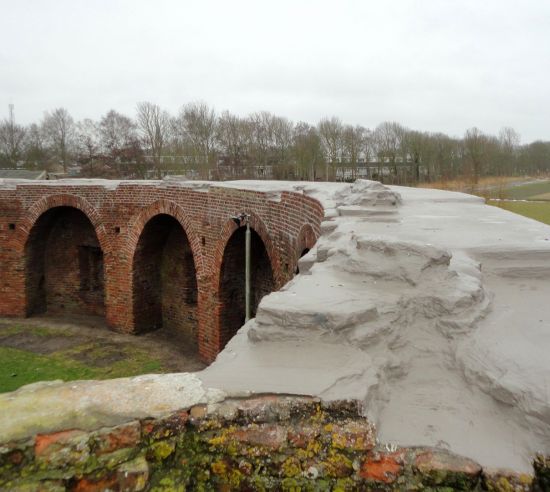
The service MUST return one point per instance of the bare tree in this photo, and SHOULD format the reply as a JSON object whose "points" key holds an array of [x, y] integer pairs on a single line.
{"points": [[535, 157], [58, 128], [474, 151], [308, 151], [244, 146], [262, 137], [282, 129], [509, 137], [509, 141], [154, 125], [369, 146], [36, 153], [232, 138], [116, 132], [12, 138], [330, 131], [416, 147], [389, 137], [353, 142], [197, 125], [87, 142]]}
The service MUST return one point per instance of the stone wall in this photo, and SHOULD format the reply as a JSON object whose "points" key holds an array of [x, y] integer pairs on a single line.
{"points": [[110, 225], [261, 443]]}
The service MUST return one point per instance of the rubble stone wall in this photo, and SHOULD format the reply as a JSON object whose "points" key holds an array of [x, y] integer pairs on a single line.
{"points": [[118, 213], [261, 443]]}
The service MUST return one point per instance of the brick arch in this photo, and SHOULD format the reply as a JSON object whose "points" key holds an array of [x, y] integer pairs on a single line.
{"points": [[228, 281], [62, 200], [164, 207], [227, 231], [306, 240], [82, 293]]}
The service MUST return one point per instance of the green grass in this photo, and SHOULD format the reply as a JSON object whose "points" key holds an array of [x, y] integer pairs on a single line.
{"points": [[528, 191], [19, 367], [534, 210]]}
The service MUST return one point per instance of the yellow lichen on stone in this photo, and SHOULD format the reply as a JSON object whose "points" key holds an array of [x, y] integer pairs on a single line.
{"points": [[291, 467], [337, 464], [319, 415], [162, 449], [219, 467], [338, 440], [526, 479], [223, 437], [235, 479]]}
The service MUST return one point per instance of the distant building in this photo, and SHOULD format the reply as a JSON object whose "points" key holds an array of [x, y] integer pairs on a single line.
{"points": [[228, 168], [385, 171]]}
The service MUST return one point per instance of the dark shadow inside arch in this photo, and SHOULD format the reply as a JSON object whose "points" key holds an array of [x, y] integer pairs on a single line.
{"points": [[232, 281], [64, 265], [164, 280], [302, 254]]}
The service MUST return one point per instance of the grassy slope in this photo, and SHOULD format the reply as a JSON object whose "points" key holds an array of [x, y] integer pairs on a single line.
{"points": [[528, 191], [534, 191], [19, 367], [534, 210]]}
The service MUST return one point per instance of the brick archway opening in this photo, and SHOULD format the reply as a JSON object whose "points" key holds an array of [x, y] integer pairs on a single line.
{"points": [[64, 272], [232, 281], [165, 280]]}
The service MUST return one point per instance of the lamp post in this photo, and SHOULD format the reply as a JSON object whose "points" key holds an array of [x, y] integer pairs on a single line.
{"points": [[239, 220]]}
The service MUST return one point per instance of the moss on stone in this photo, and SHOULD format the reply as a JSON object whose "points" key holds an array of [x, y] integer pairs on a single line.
{"points": [[161, 450], [176, 454], [291, 467]]}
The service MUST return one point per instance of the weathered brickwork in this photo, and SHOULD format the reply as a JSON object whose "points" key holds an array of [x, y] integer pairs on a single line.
{"points": [[64, 265], [145, 254], [264, 443]]}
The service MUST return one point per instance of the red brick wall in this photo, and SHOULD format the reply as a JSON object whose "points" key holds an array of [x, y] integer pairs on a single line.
{"points": [[179, 288], [148, 261]]}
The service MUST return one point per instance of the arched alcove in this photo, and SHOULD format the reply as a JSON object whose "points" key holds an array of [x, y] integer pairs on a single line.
{"points": [[164, 279], [64, 271], [232, 281]]}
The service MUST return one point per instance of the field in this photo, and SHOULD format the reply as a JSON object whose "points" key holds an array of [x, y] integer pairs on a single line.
{"points": [[44, 350], [535, 210], [485, 185], [534, 195], [534, 200], [538, 190]]}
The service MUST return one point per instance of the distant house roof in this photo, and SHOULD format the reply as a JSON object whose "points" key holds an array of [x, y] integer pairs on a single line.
{"points": [[22, 174]]}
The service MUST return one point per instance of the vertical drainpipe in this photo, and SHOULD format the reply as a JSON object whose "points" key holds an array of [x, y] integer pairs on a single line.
{"points": [[247, 270]]}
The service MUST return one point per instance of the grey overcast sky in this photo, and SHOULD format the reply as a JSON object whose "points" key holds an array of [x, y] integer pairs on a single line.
{"points": [[434, 65]]}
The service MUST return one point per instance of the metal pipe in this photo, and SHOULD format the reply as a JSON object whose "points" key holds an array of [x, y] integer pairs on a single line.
{"points": [[247, 271]]}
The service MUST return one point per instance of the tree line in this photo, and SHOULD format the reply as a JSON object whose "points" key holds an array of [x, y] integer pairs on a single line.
{"points": [[201, 143]]}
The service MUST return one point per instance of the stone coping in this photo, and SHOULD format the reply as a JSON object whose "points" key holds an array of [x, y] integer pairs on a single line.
{"points": [[270, 442]]}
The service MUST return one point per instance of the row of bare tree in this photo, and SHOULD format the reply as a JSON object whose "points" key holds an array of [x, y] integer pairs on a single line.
{"points": [[200, 142]]}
